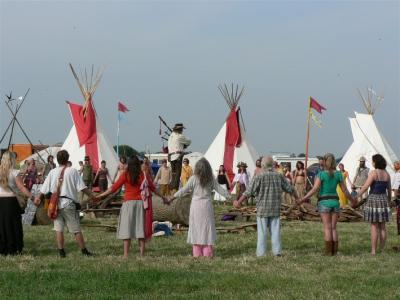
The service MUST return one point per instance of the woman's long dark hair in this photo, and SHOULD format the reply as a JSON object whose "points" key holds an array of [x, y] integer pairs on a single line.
{"points": [[300, 165], [223, 170], [134, 169]]}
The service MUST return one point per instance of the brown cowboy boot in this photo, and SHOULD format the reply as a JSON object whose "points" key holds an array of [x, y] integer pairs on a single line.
{"points": [[328, 248], [335, 247]]}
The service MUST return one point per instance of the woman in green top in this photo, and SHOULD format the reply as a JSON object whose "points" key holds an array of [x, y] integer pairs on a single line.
{"points": [[326, 183]]}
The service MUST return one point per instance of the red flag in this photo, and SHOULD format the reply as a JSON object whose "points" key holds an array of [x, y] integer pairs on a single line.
{"points": [[85, 125], [314, 104], [122, 107], [233, 139]]}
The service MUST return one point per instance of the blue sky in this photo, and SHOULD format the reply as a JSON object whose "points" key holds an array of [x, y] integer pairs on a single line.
{"points": [[168, 57]]}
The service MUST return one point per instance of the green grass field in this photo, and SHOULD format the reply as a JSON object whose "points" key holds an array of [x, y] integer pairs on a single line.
{"points": [[169, 272]]}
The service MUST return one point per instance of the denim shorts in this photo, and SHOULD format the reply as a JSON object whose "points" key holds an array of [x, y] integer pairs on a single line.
{"points": [[325, 209]]}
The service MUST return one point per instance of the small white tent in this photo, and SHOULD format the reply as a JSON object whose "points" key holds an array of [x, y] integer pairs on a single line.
{"points": [[220, 152], [44, 154], [105, 149], [86, 138], [368, 141]]}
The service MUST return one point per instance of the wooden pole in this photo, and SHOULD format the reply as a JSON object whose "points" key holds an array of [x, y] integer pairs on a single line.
{"points": [[119, 118], [308, 133]]}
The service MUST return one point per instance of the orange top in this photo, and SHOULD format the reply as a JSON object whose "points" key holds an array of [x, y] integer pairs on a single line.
{"points": [[132, 191]]}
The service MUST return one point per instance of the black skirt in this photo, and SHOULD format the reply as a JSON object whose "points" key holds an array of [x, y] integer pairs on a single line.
{"points": [[11, 234]]}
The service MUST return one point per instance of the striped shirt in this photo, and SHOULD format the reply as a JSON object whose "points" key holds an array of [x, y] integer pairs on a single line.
{"points": [[267, 188]]}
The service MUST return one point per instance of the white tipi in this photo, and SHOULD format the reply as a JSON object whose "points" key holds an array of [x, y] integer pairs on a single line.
{"points": [[87, 138], [368, 140], [230, 146]]}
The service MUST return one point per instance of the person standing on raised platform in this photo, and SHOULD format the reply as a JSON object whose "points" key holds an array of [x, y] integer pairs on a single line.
{"points": [[177, 143]]}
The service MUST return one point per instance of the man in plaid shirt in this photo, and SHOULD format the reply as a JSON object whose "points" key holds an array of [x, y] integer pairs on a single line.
{"points": [[267, 188]]}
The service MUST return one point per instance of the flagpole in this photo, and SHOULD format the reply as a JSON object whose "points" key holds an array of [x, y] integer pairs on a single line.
{"points": [[308, 132], [119, 118]]}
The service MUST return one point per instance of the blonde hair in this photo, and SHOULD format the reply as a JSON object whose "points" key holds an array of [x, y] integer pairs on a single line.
{"points": [[330, 163], [6, 166]]}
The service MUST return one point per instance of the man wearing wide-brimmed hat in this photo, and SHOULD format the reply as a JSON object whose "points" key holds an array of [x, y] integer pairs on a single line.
{"points": [[177, 143], [360, 177]]}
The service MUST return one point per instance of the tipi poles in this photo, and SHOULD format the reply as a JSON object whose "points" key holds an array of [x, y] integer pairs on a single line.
{"points": [[12, 123], [12, 128]]}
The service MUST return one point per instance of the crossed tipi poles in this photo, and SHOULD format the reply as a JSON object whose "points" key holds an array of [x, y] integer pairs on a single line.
{"points": [[14, 120]]}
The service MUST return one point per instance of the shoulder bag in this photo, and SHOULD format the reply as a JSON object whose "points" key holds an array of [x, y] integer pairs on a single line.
{"points": [[52, 210]]}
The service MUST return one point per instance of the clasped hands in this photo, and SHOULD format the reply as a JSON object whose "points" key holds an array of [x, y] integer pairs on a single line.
{"points": [[167, 200]]}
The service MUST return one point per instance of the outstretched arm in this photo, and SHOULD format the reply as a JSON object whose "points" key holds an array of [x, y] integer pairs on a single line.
{"points": [[229, 182], [95, 177], [389, 190], [317, 184], [347, 193], [21, 187], [370, 179], [184, 190], [221, 190]]}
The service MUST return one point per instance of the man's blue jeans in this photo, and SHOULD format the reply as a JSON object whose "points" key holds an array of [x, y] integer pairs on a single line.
{"points": [[273, 226]]}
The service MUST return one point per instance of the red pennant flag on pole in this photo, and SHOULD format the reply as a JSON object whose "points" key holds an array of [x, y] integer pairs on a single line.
{"points": [[122, 107], [314, 104]]}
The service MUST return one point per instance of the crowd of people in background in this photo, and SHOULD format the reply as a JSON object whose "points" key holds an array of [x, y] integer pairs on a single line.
{"points": [[269, 185]]}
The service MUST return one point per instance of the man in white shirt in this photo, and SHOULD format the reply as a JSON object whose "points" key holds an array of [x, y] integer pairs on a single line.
{"points": [[177, 142], [396, 177], [68, 214]]}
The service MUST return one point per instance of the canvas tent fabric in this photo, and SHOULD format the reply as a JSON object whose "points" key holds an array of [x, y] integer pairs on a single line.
{"points": [[230, 146], [105, 150], [368, 141], [87, 138], [244, 153], [43, 154]]}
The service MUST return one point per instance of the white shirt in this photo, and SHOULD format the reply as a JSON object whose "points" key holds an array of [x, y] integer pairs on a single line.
{"points": [[176, 143], [72, 184], [396, 181], [242, 178], [11, 183]]}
